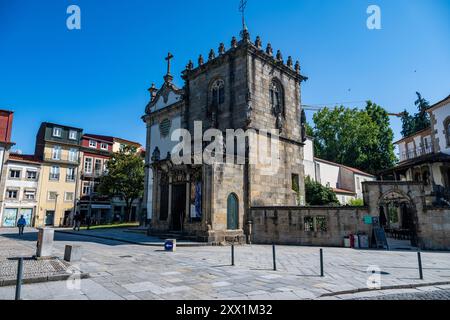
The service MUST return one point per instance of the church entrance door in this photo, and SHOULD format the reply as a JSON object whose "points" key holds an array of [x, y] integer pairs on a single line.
{"points": [[178, 206]]}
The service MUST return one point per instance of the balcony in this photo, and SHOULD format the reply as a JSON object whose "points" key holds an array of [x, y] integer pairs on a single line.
{"points": [[416, 153]]}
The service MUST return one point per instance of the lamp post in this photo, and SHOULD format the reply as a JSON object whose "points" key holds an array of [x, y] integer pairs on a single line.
{"points": [[56, 203]]}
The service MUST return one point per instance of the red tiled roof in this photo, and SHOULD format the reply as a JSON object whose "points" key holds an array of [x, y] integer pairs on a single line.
{"points": [[24, 157], [337, 190], [99, 137]]}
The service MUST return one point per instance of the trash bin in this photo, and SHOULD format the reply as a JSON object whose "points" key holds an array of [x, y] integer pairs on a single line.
{"points": [[170, 245], [355, 241], [346, 242]]}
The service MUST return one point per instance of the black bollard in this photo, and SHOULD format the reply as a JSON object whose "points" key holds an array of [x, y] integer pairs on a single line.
{"points": [[321, 262], [274, 258], [19, 278], [232, 254], [419, 258]]}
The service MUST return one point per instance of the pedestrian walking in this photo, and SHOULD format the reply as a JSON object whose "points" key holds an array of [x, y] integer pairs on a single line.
{"points": [[77, 220], [21, 223]]}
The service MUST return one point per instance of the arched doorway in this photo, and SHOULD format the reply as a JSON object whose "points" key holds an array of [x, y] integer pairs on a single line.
{"points": [[398, 213], [232, 212]]}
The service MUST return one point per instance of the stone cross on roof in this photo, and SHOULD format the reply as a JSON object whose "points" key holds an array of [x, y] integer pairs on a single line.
{"points": [[168, 77], [168, 58]]}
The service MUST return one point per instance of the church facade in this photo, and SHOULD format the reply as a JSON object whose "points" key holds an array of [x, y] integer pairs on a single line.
{"points": [[243, 89]]}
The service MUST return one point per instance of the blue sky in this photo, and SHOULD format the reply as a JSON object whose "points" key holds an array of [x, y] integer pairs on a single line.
{"points": [[96, 78]]}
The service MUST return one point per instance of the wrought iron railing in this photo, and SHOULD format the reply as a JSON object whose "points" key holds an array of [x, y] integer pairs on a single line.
{"points": [[415, 153]]}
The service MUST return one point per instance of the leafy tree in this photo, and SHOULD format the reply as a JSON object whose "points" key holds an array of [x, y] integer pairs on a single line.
{"points": [[381, 153], [420, 121], [356, 138], [356, 202], [124, 177], [319, 195]]}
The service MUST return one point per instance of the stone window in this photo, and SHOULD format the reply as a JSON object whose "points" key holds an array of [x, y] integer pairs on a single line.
{"points": [[218, 92], [447, 131], [276, 98], [308, 224], [315, 224], [321, 224]]}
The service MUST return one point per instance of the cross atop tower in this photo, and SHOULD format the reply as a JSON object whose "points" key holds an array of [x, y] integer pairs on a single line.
{"points": [[168, 77], [242, 7], [168, 58]]}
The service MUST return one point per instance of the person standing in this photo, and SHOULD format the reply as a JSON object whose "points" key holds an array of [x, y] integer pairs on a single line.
{"points": [[21, 223], [77, 223]]}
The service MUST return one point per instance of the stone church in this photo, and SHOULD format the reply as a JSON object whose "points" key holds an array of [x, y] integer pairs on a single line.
{"points": [[244, 86]]}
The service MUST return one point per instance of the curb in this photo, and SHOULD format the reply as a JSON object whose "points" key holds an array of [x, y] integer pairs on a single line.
{"points": [[401, 286], [51, 278], [179, 244]]}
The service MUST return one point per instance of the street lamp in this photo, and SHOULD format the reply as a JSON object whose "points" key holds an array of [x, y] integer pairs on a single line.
{"points": [[56, 202]]}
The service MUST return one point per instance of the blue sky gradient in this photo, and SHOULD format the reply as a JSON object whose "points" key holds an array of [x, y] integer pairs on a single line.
{"points": [[97, 78]]}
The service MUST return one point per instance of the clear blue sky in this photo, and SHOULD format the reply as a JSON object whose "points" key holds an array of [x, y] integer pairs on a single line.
{"points": [[96, 78]]}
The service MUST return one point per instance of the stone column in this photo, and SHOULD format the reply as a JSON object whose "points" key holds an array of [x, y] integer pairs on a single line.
{"points": [[169, 210], [188, 198]]}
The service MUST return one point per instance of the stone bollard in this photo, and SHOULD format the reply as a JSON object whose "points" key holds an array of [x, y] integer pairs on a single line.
{"points": [[72, 253], [44, 244]]}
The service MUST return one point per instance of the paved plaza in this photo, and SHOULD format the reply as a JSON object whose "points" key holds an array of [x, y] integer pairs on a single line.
{"points": [[121, 270]]}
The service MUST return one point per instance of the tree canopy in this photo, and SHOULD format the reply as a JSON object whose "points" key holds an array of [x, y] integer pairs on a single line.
{"points": [[357, 138], [319, 195], [124, 177], [419, 121]]}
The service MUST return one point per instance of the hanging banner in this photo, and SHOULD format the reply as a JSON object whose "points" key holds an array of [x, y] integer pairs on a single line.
{"points": [[196, 200]]}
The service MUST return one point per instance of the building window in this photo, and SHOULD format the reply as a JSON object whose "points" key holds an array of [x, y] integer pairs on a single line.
{"points": [[86, 188], [92, 144], [98, 166], [56, 153], [70, 174], [14, 174], [31, 175], [276, 98], [447, 130], [52, 195], [12, 194], [104, 146], [29, 194], [218, 92], [68, 196], [54, 173], [88, 165], [57, 132], [73, 135], [73, 155]]}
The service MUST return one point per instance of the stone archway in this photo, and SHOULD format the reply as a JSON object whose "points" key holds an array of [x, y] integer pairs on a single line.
{"points": [[398, 216]]}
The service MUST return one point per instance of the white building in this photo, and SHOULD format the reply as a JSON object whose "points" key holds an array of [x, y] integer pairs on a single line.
{"points": [[345, 181], [425, 155], [21, 189]]}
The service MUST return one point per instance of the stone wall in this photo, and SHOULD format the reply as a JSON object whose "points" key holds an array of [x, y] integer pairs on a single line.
{"points": [[434, 225], [286, 225]]}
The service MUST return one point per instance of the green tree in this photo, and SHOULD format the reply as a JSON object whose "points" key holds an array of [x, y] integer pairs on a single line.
{"points": [[319, 195], [421, 120], [356, 138], [356, 202], [124, 177], [381, 153]]}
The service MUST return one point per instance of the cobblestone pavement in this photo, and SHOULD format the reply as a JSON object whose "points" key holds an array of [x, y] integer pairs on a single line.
{"points": [[33, 269], [126, 271]]}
